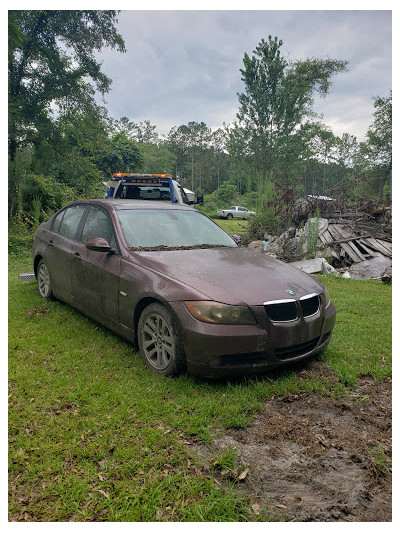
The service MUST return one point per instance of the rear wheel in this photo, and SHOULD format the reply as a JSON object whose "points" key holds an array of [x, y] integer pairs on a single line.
{"points": [[44, 281], [230, 216], [159, 342]]}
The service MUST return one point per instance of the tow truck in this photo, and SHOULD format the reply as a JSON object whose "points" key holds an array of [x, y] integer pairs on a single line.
{"points": [[149, 187]]}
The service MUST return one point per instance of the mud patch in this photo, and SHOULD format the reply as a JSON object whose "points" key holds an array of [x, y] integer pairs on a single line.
{"points": [[312, 458]]}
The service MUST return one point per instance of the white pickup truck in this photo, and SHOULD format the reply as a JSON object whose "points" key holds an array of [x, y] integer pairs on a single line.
{"points": [[235, 211]]}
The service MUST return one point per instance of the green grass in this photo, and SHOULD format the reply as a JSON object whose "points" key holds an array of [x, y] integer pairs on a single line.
{"points": [[234, 226], [95, 436]]}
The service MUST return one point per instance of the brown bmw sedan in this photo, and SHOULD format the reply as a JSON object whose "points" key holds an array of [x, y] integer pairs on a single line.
{"points": [[168, 278]]}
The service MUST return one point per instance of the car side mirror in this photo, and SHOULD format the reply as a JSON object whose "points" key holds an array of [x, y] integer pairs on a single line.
{"points": [[236, 238], [98, 244]]}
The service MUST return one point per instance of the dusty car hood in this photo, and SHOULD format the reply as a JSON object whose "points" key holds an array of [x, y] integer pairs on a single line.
{"points": [[231, 275]]}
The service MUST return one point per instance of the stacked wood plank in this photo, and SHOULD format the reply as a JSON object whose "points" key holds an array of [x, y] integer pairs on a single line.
{"points": [[352, 246]]}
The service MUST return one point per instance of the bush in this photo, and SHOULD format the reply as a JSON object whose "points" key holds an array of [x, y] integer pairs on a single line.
{"points": [[226, 194], [265, 222], [20, 239], [52, 193]]}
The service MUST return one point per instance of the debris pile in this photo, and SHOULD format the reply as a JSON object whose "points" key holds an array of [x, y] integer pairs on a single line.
{"points": [[355, 243]]}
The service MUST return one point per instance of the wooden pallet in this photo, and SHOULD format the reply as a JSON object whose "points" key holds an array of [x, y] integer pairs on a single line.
{"points": [[356, 247]]}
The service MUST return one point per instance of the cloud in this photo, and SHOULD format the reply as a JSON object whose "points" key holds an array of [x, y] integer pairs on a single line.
{"points": [[184, 65]]}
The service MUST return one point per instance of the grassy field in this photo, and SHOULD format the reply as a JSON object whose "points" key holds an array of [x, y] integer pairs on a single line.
{"points": [[234, 226], [95, 436]]}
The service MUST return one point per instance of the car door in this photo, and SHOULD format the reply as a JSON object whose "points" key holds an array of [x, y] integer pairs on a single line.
{"points": [[59, 255], [238, 212], [95, 275]]}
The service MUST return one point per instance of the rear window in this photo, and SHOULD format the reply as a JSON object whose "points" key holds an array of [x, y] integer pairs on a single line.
{"points": [[144, 192], [67, 221]]}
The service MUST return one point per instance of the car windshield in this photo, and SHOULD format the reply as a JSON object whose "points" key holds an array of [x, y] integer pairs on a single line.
{"points": [[158, 229]]}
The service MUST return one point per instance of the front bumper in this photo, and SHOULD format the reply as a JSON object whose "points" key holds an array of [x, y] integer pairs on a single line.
{"points": [[214, 351]]}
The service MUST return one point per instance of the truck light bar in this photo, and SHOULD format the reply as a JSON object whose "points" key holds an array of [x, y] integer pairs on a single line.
{"points": [[130, 175], [144, 181]]}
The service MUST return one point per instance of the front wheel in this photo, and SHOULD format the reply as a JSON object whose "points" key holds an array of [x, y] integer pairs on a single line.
{"points": [[44, 281], [159, 342]]}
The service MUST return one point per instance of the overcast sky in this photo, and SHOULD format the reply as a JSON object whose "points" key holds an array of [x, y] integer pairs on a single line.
{"points": [[183, 66]]}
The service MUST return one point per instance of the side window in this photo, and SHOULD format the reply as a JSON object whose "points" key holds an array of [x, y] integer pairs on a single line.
{"points": [[98, 224], [57, 221], [70, 221], [184, 196]]}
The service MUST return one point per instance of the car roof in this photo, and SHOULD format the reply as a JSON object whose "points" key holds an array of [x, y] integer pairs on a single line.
{"points": [[124, 204]]}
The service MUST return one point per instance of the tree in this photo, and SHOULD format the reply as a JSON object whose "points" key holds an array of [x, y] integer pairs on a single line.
{"points": [[144, 132], [122, 155], [82, 142], [189, 143], [277, 100], [51, 53], [218, 140], [323, 144], [157, 158], [377, 150], [52, 68], [123, 125]]}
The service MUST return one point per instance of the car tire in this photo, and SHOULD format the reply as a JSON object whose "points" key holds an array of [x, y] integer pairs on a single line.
{"points": [[159, 342], [45, 284], [230, 216]]}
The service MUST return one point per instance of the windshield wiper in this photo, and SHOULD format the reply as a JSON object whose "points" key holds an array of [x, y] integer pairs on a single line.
{"points": [[162, 247]]}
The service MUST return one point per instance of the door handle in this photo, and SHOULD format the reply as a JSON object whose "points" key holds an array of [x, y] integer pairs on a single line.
{"points": [[50, 242], [77, 254]]}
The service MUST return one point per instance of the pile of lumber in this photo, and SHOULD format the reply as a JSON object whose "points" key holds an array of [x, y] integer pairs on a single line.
{"points": [[352, 245]]}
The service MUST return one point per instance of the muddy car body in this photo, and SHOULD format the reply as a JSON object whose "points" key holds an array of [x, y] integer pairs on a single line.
{"points": [[169, 279]]}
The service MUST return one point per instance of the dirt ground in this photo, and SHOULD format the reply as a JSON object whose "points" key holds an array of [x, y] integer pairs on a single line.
{"points": [[311, 458]]}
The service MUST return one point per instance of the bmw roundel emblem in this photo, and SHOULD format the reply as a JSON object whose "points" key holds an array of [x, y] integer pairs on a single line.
{"points": [[289, 291]]}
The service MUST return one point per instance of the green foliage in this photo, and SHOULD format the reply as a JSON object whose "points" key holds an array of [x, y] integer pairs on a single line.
{"points": [[123, 155], [380, 459], [52, 193], [312, 234], [190, 143], [36, 208], [226, 194], [264, 222], [266, 196], [157, 158], [377, 151], [227, 460], [52, 66], [51, 53], [20, 238]]}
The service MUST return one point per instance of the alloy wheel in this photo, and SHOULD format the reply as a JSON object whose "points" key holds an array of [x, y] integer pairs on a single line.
{"points": [[157, 341], [44, 280]]}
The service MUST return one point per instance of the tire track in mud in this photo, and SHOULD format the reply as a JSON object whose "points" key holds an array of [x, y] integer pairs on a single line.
{"points": [[314, 458]]}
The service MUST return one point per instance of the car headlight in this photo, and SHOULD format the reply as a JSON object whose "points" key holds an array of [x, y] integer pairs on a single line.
{"points": [[217, 313], [327, 299]]}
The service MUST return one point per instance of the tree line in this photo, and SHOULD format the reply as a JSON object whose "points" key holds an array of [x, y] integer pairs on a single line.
{"points": [[63, 145]]}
